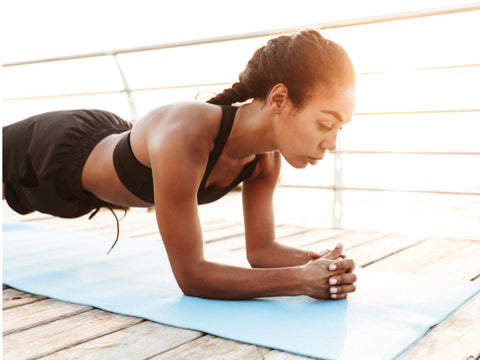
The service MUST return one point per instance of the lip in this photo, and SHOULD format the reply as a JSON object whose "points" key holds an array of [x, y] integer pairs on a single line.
{"points": [[314, 160]]}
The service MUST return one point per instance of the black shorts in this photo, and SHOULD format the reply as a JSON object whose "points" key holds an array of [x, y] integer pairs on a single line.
{"points": [[43, 159]]}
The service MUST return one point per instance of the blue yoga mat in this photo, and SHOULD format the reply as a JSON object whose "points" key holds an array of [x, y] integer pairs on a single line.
{"points": [[387, 314]]}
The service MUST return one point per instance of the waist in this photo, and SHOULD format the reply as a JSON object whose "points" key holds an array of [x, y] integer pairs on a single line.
{"points": [[101, 178]]}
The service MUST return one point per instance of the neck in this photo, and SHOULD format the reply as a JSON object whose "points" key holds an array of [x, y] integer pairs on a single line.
{"points": [[252, 131]]}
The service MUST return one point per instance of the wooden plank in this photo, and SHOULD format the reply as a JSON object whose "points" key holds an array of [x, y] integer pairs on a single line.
{"points": [[281, 355], [237, 243], [151, 228], [102, 223], [223, 233], [349, 239], [141, 341], [428, 254], [13, 298], [463, 264], [311, 237], [37, 313], [206, 228], [77, 224], [353, 239], [212, 348], [135, 224], [375, 250], [64, 333]]}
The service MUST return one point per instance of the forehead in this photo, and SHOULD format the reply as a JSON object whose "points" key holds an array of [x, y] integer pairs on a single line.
{"points": [[338, 101]]}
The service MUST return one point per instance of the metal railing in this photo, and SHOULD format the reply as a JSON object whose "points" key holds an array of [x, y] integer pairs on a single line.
{"points": [[338, 187], [251, 35]]}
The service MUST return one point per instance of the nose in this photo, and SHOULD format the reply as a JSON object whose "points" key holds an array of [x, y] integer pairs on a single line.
{"points": [[330, 141]]}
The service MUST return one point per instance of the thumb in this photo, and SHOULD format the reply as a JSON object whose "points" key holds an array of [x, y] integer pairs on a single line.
{"points": [[336, 252], [314, 255]]}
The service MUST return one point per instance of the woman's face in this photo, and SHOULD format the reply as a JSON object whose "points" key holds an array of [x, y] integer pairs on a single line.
{"points": [[303, 135]]}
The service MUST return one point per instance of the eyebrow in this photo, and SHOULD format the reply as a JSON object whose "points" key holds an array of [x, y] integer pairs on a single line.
{"points": [[335, 114]]}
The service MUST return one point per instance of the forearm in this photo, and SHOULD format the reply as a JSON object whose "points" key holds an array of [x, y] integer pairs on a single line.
{"points": [[276, 255], [218, 281]]}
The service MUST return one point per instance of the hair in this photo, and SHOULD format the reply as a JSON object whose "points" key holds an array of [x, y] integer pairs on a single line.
{"points": [[300, 62]]}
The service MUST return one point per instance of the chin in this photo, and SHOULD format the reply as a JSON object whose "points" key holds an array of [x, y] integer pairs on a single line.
{"points": [[298, 164]]}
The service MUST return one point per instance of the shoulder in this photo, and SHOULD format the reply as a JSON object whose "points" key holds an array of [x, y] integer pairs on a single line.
{"points": [[183, 119], [181, 129]]}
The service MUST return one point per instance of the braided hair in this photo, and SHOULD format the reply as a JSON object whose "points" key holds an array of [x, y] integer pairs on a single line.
{"points": [[300, 62]]}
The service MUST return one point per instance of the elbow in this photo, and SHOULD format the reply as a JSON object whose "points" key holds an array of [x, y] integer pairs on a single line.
{"points": [[254, 263], [188, 290], [188, 285], [255, 259], [190, 281]]}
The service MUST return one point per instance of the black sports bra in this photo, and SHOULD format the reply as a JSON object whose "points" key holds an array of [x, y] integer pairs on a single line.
{"points": [[137, 177]]}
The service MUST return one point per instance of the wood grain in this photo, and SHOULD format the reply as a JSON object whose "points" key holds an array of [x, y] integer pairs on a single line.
{"points": [[37, 313], [213, 348], [140, 341], [61, 334], [13, 298]]}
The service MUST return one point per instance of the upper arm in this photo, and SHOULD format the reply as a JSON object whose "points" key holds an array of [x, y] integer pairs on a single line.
{"points": [[257, 194], [177, 170]]}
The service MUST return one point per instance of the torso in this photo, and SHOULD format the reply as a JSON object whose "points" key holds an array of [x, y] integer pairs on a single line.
{"points": [[194, 123]]}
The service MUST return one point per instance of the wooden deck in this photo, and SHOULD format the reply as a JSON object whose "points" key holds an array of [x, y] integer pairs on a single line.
{"points": [[35, 327]]}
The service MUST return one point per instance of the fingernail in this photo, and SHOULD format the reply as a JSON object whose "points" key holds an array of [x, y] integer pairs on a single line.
{"points": [[339, 245], [332, 267], [333, 290], [332, 281], [333, 296]]}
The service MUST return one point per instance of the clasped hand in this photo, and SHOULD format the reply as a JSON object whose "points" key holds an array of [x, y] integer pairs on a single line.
{"points": [[330, 274]]}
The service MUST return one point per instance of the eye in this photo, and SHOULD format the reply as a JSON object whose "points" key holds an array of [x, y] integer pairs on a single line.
{"points": [[325, 125]]}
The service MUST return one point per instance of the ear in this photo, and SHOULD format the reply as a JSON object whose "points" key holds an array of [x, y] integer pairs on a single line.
{"points": [[278, 98]]}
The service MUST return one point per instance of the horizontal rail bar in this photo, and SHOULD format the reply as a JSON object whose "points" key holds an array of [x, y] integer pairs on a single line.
{"points": [[446, 111], [58, 96], [41, 97], [112, 92], [173, 87], [443, 67], [371, 152], [378, 190], [265, 33], [186, 86]]}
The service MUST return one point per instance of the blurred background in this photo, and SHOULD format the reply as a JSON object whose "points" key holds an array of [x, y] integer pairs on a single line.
{"points": [[409, 160]]}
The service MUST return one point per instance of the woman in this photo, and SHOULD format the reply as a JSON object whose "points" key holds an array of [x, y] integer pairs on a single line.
{"points": [[178, 156]]}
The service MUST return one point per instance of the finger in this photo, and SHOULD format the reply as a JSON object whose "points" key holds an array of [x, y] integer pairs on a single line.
{"points": [[338, 296], [344, 289], [344, 265], [315, 255], [336, 252], [327, 256], [347, 278]]}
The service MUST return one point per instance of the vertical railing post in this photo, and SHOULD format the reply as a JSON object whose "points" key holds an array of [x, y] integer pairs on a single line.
{"points": [[128, 92], [337, 206]]}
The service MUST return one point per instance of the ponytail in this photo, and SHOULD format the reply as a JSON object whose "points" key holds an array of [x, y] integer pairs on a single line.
{"points": [[237, 93], [301, 62]]}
